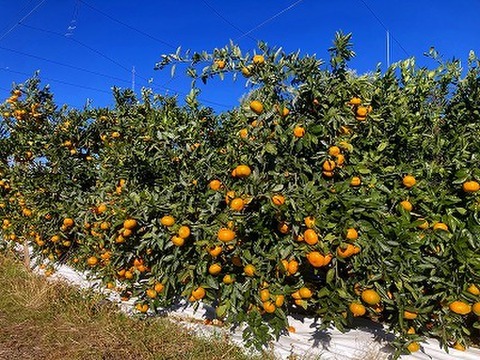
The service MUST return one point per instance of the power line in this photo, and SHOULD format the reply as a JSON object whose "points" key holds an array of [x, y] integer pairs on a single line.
{"points": [[20, 12], [57, 81], [119, 64], [80, 43], [128, 26], [226, 20], [21, 20], [63, 64], [269, 19], [384, 27]]}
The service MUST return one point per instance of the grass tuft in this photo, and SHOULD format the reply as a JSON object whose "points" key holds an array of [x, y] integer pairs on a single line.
{"points": [[44, 320]]}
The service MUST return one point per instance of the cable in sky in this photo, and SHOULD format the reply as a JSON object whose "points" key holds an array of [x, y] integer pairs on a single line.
{"points": [[128, 26], [227, 21], [63, 64], [114, 62], [269, 19], [57, 81], [80, 43], [384, 27], [21, 20]]}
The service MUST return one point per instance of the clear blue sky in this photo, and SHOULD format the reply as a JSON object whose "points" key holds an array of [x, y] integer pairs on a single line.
{"points": [[451, 27]]}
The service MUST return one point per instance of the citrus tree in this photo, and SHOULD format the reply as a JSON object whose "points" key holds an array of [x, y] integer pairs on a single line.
{"points": [[324, 192]]}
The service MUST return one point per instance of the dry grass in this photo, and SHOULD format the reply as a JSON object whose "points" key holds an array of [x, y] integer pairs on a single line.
{"points": [[42, 320]]}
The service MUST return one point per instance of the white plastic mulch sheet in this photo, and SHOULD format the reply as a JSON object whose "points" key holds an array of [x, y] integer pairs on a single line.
{"points": [[370, 341]]}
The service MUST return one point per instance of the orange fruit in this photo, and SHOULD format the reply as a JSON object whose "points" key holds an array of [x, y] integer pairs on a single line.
{"points": [[27, 212], [237, 204], [130, 224], [228, 279], [256, 106], [278, 199], [292, 267], [279, 300], [283, 227], [411, 330], [220, 64], [473, 289], [355, 101], [310, 237], [407, 205], [316, 259], [298, 131], [242, 171], [269, 307], [356, 181], [199, 293], [471, 186], [184, 231], [264, 295], [258, 59], [309, 222], [167, 220], [409, 181], [229, 196], [215, 184], [476, 308], [352, 234], [178, 241], [243, 133], [409, 315], [424, 225], [249, 270], [460, 307], [158, 287], [142, 308], [101, 208], [413, 346], [357, 309], [225, 235], [151, 293], [105, 225], [247, 70], [215, 269], [345, 252], [440, 226], [92, 261], [68, 222], [361, 112], [333, 150], [370, 296], [215, 250], [305, 293], [296, 295], [329, 165], [458, 346], [340, 160]]}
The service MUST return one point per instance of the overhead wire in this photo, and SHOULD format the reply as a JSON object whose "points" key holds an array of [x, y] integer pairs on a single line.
{"points": [[385, 27], [17, 14], [56, 80], [226, 20], [80, 43], [291, 6], [128, 26], [119, 64], [21, 20], [63, 64]]}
